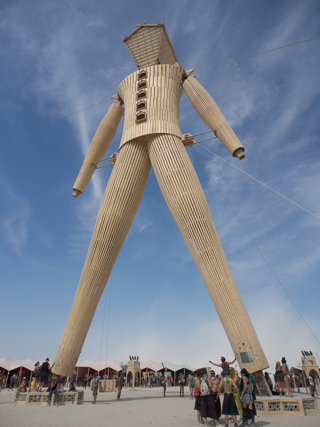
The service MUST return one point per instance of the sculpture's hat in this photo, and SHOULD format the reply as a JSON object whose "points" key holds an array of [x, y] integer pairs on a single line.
{"points": [[150, 45]]}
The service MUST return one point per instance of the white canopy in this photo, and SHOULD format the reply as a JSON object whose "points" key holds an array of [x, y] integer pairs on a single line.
{"points": [[173, 367], [151, 365], [10, 365], [100, 365]]}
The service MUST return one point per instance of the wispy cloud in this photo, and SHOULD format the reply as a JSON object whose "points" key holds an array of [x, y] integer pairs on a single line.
{"points": [[15, 229]]}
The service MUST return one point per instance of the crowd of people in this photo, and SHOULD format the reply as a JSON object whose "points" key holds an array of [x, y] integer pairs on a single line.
{"points": [[204, 386], [41, 380], [239, 392]]}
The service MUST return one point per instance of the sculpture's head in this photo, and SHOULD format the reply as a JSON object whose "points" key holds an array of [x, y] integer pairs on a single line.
{"points": [[149, 44]]}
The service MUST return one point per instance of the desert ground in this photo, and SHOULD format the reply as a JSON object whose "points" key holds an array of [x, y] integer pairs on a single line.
{"points": [[138, 408]]}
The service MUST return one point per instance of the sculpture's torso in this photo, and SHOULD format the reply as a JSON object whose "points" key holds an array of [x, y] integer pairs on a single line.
{"points": [[151, 97]]}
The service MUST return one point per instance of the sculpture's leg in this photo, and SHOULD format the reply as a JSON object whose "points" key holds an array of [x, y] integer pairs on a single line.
{"points": [[118, 208], [185, 198]]}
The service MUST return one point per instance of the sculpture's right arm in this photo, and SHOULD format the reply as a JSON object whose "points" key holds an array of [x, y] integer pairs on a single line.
{"points": [[98, 147], [212, 116]]}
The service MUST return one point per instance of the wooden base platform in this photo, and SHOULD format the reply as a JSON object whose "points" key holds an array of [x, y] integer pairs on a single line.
{"points": [[36, 398], [286, 406]]}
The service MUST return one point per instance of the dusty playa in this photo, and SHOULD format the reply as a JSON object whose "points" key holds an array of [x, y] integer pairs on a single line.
{"points": [[146, 407]]}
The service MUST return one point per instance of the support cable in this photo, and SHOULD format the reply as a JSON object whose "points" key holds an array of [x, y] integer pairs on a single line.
{"points": [[109, 310], [284, 227], [104, 315], [257, 53], [47, 194], [258, 249], [54, 121], [209, 139], [37, 199], [250, 176], [203, 133]]}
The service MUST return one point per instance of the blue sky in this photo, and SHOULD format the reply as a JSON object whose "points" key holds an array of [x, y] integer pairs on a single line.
{"points": [[61, 57]]}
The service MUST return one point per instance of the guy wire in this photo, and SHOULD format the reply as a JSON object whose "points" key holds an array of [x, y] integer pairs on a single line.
{"points": [[256, 246]]}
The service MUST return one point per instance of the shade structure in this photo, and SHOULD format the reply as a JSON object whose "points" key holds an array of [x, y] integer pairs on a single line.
{"points": [[100, 365], [11, 365], [151, 366], [5, 363], [174, 368]]}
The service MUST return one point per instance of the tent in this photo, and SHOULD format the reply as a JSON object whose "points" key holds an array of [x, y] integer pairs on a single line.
{"points": [[176, 370], [151, 366], [5, 363], [22, 368], [14, 365], [89, 367], [103, 367]]}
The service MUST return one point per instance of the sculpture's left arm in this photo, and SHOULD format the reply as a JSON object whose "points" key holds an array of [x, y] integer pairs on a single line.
{"points": [[212, 116], [98, 146]]}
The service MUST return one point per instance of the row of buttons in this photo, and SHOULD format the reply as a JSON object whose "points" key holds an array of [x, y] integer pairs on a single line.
{"points": [[141, 97]]}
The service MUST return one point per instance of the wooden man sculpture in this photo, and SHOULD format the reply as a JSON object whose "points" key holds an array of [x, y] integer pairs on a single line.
{"points": [[152, 137]]}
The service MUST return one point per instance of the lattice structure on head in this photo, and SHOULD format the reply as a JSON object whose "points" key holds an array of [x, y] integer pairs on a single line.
{"points": [[149, 44]]}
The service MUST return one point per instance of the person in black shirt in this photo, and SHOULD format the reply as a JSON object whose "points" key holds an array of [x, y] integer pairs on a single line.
{"points": [[43, 373]]}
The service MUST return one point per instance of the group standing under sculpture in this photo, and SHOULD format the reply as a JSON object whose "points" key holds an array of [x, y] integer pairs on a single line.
{"points": [[152, 137]]}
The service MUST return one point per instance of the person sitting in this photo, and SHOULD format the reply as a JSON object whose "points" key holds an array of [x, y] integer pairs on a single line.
{"points": [[72, 386], [269, 381], [53, 388], [21, 389]]}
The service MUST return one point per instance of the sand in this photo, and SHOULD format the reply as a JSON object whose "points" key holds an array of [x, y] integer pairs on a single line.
{"points": [[146, 407]]}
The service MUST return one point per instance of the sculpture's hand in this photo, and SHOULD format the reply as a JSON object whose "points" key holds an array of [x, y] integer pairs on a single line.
{"points": [[76, 193]]}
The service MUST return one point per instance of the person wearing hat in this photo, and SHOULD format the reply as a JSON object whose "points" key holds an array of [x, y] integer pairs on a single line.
{"points": [[21, 389]]}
